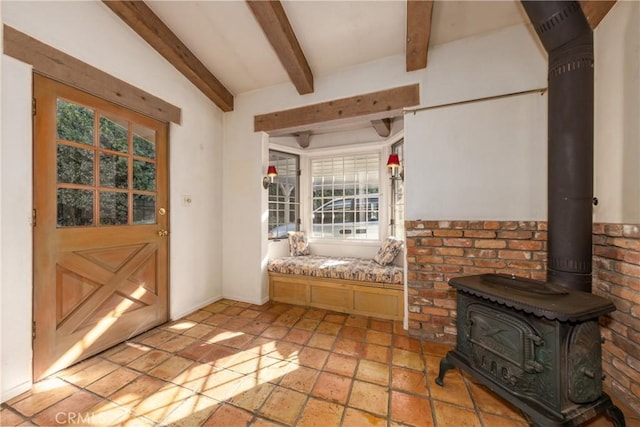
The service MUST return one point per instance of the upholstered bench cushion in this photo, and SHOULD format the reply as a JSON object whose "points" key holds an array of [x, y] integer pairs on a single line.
{"points": [[364, 270]]}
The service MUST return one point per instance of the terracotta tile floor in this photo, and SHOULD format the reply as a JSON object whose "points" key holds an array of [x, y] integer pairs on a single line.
{"points": [[237, 364]]}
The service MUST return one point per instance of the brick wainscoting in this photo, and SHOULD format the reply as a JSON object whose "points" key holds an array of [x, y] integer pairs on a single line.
{"points": [[440, 250], [616, 270]]}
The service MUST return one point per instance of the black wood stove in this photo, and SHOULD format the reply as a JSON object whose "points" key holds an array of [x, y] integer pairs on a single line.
{"points": [[535, 344]]}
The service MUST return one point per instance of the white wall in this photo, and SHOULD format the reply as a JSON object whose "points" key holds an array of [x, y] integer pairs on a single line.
{"points": [[16, 291], [483, 160], [90, 32], [617, 115]]}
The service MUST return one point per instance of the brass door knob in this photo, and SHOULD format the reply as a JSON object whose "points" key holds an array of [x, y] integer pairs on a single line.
{"points": [[163, 233]]}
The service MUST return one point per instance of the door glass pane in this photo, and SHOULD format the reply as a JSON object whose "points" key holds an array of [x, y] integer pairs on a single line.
{"points": [[75, 165], [114, 208], [125, 160], [113, 171], [114, 134], [144, 175], [74, 122], [144, 209], [144, 142], [75, 207]]}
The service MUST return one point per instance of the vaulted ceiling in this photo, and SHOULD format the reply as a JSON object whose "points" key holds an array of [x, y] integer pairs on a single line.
{"points": [[229, 47]]}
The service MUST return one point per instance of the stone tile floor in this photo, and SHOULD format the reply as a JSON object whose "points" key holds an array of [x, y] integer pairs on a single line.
{"points": [[237, 364]]}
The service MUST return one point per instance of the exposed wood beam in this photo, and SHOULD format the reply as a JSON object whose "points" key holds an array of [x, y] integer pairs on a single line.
{"points": [[382, 127], [66, 69], [419, 14], [303, 138], [140, 17], [596, 10], [276, 26], [370, 106]]}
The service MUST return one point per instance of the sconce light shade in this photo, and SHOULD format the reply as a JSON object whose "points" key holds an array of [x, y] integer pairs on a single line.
{"points": [[271, 173], [393, 162], [394, 166]]}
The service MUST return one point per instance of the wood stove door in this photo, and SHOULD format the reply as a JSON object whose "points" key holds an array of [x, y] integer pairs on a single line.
{"points": [[504, 346]]}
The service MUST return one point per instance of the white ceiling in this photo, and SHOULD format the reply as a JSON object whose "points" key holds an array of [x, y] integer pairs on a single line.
{"points": [[333, 35]]}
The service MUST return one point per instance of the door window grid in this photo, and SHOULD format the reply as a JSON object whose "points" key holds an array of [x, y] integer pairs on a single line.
{"points": [[284, 202], [345, 197], [106, 169]]}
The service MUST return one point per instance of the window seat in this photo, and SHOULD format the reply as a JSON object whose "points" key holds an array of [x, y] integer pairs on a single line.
{"points": [[348, 285]]}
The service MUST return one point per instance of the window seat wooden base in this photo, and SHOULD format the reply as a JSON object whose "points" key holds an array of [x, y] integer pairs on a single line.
{"points": [[380, 300]]}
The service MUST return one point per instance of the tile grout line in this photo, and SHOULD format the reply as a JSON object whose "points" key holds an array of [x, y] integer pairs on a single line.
{"points": [[335, 349]]}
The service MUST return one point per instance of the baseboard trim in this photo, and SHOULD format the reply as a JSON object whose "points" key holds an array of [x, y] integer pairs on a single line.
{"points": [[195, 308], [247, 300], [15, 391]]}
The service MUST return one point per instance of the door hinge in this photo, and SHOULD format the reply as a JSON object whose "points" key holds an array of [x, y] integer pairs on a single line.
{"points": [[33, 330], [33, 106], [33, 218]]}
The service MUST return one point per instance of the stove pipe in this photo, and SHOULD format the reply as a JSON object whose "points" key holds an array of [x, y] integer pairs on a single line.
{"points": [[568, 39]]}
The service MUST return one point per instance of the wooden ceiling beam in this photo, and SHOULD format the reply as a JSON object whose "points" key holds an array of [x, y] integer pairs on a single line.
{"points": [[303, 138], [140, 17], [382, 127], [276, 26], [419, 14], [596, 10], [371, 106]]}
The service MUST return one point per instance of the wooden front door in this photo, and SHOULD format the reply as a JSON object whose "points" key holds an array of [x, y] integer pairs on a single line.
{"points": [[100, 225]]}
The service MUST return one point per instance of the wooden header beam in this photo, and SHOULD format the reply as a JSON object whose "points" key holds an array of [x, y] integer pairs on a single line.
{"points": [[66, 69], [370, 106], [419, 14], [140, 17], [276, 26]]}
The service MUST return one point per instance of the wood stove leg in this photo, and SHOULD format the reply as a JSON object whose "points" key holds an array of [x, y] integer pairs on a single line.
{"points": [[615, 414], [445, 365]]}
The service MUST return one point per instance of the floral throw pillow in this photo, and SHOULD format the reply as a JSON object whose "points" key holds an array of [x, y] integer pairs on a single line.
{"points": [[388, 251], [298, 244]]}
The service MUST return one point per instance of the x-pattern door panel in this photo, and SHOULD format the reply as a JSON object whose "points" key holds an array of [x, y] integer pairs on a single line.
{"points": [[100, 251]]}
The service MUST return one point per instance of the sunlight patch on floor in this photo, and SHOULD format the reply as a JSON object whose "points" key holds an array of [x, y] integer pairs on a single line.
{"points": [[222, 336], [182, 325]]}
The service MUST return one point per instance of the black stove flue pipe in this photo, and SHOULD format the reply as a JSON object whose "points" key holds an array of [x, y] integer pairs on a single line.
{"points": [[568, 39]]}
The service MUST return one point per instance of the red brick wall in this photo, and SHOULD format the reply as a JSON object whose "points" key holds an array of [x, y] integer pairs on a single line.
{"points": [[440, 250], [616, 271]]}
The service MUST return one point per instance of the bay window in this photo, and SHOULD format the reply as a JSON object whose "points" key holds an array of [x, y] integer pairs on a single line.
{"points": [[346, 197], [284, 195]]}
